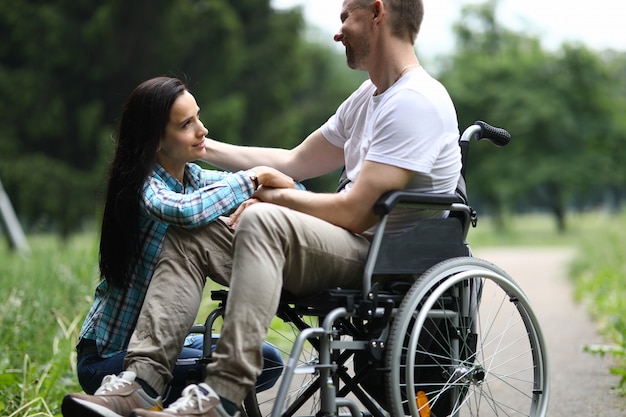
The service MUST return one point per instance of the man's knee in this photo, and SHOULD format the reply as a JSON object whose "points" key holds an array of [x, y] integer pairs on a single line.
{"points": [[213, 235], [263, 220], [201, 252]]}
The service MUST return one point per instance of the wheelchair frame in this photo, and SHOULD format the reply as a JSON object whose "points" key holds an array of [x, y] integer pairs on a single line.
{"points": [[459, 338]]}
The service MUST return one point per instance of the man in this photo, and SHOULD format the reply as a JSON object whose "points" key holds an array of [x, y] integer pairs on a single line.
{"points": [[398, 130]]}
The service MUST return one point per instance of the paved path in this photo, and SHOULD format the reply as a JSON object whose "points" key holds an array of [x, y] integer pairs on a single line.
{"points": [[581, 383]]}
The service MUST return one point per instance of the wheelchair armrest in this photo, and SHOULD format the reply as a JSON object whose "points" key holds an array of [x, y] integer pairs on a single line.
{"points": [[389, 200]]}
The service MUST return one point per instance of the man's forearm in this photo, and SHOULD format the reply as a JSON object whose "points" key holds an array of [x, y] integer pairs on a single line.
{"points": [[335, 208], [235, 158]]}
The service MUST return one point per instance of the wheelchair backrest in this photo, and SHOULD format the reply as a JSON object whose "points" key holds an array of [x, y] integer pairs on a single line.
{"points": [[414, 251]]}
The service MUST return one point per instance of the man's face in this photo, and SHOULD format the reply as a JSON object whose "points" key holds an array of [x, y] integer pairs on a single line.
{"points": [[354, 33]]}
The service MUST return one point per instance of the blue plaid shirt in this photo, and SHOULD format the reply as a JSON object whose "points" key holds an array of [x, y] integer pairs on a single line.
{"points": [[206, 196]]}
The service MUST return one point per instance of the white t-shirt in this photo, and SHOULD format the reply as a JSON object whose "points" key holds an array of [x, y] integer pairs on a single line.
{"points": [[412, 125]]}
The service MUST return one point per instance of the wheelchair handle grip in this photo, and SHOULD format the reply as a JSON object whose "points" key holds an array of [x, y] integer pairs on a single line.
{"points": [[496, 135]]}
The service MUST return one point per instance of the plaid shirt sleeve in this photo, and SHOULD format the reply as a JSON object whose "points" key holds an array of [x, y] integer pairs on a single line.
{"points": [[212, 194]]}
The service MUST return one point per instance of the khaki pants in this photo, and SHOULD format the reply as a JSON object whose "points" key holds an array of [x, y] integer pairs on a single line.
{"points": [[273, 248]]}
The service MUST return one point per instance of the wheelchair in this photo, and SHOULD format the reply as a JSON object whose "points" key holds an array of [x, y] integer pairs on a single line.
{"points": [[449, 335]]}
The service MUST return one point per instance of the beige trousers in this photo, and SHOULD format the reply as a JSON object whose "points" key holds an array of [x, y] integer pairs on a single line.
{"points": [[273, 248]]}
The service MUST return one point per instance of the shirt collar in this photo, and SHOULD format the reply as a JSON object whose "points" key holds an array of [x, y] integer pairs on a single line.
{"points": [[190, 179], [171, 182]]}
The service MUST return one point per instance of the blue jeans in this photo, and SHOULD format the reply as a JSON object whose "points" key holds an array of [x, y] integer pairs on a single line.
{"points": [[92, 369]]}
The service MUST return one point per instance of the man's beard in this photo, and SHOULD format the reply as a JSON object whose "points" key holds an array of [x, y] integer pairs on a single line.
{"points": [[355, 58]]}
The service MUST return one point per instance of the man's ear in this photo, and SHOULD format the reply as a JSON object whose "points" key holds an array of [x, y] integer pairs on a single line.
{"points": [[377, 9]]}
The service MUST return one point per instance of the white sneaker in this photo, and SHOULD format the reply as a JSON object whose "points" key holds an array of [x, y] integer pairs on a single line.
{"points": [[118, 396], [196, 401]]}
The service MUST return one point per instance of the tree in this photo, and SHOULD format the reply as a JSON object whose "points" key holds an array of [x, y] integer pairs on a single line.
{"points": [[69, 64], [561, 108]]}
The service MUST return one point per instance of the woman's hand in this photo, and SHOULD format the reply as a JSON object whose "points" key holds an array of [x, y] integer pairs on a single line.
{"points": [[233, 219]]}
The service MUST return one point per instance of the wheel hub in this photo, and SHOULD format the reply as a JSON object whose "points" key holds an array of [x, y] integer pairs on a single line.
{"points": [[474, 374]]}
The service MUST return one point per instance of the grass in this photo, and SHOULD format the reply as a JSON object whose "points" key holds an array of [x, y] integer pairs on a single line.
{"points": [[600, 278], [45, 296], [535, 230]]}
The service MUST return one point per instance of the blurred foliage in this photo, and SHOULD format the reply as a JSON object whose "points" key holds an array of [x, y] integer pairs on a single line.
{"points": [[68, 65], [563, 108]]}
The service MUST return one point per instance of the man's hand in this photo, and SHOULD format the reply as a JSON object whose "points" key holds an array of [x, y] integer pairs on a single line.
{"points": [[271, 177], [352, 210], [268, 178]]}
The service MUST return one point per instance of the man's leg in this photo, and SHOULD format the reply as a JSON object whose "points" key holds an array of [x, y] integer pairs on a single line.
{"points": [[173, 298], [274, 249], [170, 307]]}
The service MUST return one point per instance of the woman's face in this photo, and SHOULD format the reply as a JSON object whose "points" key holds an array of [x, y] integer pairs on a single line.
{"points": [[183, 140]]}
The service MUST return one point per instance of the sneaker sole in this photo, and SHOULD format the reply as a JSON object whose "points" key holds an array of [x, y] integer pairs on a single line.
{"points": [[72, 407]]}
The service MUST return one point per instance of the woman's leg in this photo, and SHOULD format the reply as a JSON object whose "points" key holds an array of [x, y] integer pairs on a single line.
{"points": [[92, 369]]}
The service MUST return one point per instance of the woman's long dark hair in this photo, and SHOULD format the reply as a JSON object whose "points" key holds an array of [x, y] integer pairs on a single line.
{"points": [[142, 125]]}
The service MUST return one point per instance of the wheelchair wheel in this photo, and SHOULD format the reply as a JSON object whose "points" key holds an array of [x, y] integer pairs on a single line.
{"points": [[465, 342]]}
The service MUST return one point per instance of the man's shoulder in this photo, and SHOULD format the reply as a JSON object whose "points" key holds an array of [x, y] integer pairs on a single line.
{"points": [[366, 89]]}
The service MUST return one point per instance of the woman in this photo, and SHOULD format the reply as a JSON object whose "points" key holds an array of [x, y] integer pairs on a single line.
{"points": [[153, 184]]}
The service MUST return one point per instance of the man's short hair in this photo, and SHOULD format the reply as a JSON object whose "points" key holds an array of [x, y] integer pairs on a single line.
{"points": [[405, 16]]}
